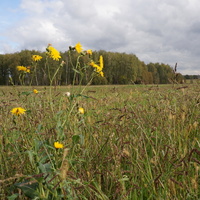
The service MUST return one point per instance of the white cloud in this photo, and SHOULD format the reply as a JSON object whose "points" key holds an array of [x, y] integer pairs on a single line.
{"points": [[154, 30]]}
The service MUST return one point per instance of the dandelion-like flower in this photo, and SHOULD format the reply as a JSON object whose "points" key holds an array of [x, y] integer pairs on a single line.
{"points": [[89, 52], [18, 111], [78, 47], [53, 53], [58, 145], [35, 91], [22, 68], [36, 58], [81, 110], [101, 62]]}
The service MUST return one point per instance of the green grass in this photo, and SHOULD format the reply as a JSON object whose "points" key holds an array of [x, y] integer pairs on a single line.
{"points": [[132, 142]]}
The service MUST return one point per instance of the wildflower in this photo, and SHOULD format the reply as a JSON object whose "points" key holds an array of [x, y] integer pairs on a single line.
{"points": [[92, 63], [36, 58], [101, 62], [35, 91], [58, 145], [99, 67], [67, 94], [18, 111], [22, 68], [78, 47], [81, 110], [53, 53], [89, 52], [101, 74]]}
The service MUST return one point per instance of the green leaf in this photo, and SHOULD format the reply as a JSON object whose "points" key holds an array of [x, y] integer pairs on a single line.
{"points": [[27, 93], [45, 168], [28, 111], [28, 188], [78, 139], [81, 139], [80, 95], [39, 128], [76, 71], [75, 139], [13, 197], [50, 147], [31, 156], [37, 144]]}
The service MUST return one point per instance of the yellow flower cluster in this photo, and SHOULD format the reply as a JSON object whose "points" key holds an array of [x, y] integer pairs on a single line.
{"points": [[53, 53], [36, 58], [18, 111], [99, 67], [22, 68]]}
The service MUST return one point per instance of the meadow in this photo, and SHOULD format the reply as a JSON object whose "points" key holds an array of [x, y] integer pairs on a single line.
{"points": [[100, 142]]}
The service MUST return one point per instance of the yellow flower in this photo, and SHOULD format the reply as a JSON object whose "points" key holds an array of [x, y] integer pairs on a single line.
{"points": [[58, 145], [18, 111], [89, 52], [92, 63], [78, 47], [53, 53], [101, 62], [24, 69], [101, 74], [35, 91], [81, 110], [21, 68], [98, 68], [36, 58]]}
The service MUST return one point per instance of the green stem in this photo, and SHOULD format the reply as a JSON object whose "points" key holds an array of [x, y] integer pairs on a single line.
{"points": [[76, 67], [55, 74], [34, 74]]}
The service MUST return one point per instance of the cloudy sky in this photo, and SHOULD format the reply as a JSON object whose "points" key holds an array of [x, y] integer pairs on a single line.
{"points": [[165, 31]]}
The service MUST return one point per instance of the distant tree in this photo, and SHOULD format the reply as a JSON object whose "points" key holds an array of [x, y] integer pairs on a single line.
{"points": [[151, 68], [119, 68], [187, 76]]}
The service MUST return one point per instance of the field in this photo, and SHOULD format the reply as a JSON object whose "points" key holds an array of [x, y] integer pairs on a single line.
{"points": [[113, 142]]}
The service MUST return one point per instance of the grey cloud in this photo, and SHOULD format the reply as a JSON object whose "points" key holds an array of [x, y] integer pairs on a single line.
{"points": [[154, 30]]}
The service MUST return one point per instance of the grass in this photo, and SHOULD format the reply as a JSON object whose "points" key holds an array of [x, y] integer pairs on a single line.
{"points": [[132, 142]]}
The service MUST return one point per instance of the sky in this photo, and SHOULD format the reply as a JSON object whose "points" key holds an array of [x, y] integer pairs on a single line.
{"points": [[164, 31]]}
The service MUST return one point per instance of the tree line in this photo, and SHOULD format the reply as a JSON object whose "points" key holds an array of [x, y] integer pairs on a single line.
{"points": [[192, 76], [119, 68]]}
